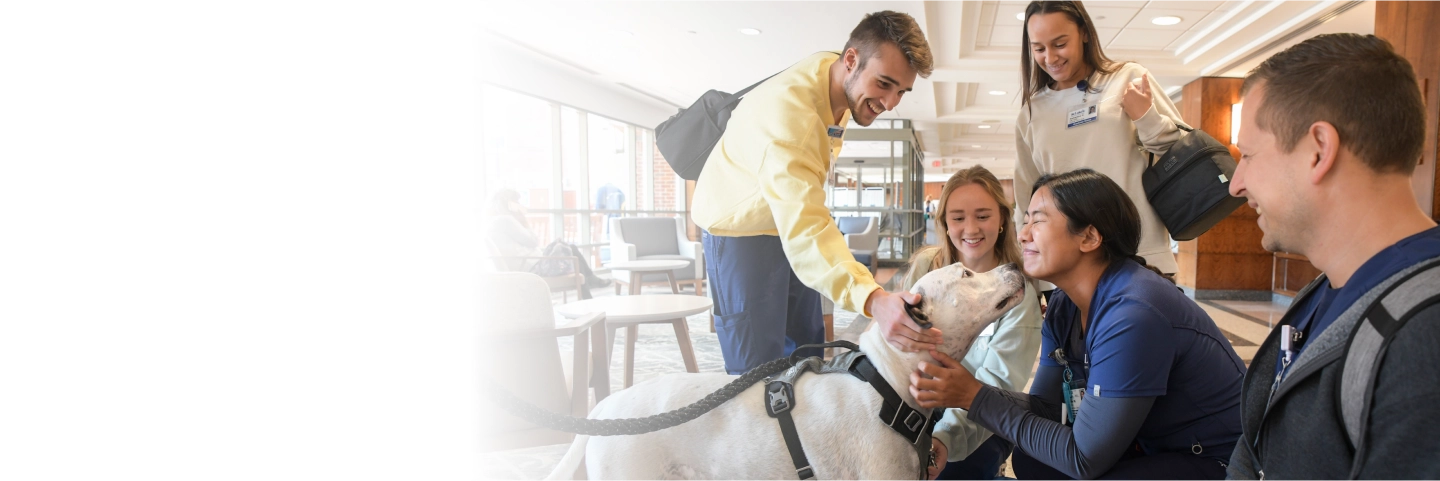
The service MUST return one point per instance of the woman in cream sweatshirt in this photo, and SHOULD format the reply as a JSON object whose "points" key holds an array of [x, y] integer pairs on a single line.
{"points": [[1082, 110]]}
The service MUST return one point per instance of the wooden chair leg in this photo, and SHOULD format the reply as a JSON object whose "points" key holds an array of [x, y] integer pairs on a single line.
{"points": [[600, 354], [580, 381], [829, 333], [687, 351], [710, 313], [631, 332]]}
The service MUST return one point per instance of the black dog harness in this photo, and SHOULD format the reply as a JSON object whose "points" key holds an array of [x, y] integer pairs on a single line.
{"points": [[913, 425]]}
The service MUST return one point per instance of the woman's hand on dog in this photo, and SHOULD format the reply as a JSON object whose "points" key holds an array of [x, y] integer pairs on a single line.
{"points": [[943, 385], [941, 456]]}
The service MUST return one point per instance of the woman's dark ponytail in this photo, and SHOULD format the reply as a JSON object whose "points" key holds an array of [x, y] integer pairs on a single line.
{"points": [[1089, 198]]}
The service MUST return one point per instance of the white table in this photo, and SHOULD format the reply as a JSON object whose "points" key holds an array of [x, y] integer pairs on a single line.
{"points": [[638, 269], [631, 311]]}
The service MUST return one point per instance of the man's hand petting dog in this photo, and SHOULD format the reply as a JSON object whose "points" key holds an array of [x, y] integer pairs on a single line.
{"points": [[943, 385], [888, 310]]}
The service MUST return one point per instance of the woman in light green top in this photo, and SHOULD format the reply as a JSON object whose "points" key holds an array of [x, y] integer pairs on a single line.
{"points": [[973, 216]]}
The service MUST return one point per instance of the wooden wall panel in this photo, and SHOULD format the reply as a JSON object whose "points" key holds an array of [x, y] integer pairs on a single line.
{"points": [[1229, 256], [1187, 259], [932, 189], [1292, 273], [1410, 27]]}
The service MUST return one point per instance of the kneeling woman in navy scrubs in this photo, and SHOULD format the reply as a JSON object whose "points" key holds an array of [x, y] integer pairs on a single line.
{"points": [[1135, 380]]}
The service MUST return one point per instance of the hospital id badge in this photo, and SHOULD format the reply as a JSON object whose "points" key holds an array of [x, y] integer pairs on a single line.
{"points": [[1074, 394], [1082, 114]]}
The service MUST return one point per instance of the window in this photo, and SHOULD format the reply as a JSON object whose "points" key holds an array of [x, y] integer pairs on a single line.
{"points": [[562, 159], [611, 181], [518, 146]]}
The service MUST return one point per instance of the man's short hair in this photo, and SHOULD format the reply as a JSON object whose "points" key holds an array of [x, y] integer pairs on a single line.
{"points": [[1358, 84], [893, 27]]}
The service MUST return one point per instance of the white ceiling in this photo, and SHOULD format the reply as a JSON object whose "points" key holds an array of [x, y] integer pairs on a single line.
{"points": [[671, 52]]}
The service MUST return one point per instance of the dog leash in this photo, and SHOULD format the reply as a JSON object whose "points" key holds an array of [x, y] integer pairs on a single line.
{"points": [[619, 427]]}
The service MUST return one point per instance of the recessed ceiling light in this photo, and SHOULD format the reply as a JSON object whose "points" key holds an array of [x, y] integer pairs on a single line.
{"points": [[1020, 16], [1166, 20], [997, 92], [750, 31], [976, 147], [984, 126]]}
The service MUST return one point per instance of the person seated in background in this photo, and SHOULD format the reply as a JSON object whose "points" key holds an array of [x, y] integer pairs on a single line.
{"points": [[1135, 380], [973, 213], [506, 229]]}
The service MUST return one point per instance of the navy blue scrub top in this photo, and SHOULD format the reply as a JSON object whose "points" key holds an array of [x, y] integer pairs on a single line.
{"points": [[1325, 303], [1145, 338]]}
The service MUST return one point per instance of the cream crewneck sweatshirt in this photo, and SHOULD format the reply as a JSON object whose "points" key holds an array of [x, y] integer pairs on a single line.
{"points": [[1112, 145]]}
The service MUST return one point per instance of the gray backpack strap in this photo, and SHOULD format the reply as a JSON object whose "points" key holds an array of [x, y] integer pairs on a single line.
{"points": [[1415, 290]]}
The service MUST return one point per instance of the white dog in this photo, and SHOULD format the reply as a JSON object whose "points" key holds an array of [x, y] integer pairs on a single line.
{"points": [[837, 416]]}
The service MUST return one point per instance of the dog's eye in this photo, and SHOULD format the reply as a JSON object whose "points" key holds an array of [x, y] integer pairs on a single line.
{"points": [[964, 274]]}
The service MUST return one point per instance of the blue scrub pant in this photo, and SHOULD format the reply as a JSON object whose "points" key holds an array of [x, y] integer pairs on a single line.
{"points": [[1132, 465], [762, 311], [984, 463]]}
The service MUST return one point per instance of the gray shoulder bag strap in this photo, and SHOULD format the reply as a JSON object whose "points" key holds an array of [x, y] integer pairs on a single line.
{"points": [[1417, 290], [686, 138]]}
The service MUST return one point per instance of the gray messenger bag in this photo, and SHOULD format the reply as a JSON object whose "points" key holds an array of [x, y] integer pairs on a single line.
{"points": [[686, 138], [1190, 186]]}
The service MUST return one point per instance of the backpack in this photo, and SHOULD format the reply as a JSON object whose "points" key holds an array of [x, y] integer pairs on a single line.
{"points": [[560, 261], [1404, 298]]}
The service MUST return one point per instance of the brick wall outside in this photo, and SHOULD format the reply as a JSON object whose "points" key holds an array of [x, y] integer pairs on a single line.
{"points": [[665, 179]]}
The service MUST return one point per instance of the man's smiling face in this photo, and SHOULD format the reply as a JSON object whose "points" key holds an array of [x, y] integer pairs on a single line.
{"points": [[876, 85]]}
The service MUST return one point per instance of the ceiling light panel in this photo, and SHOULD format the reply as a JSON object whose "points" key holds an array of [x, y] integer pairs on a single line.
{"points": [[1234, 28], [1219, 22]]}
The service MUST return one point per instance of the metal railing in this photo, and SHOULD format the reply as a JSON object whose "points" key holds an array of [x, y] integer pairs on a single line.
{"points": [[902, 231], [588, 229]]}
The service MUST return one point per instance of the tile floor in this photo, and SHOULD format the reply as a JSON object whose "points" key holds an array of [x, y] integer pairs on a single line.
{"points": [[1245, 324]]}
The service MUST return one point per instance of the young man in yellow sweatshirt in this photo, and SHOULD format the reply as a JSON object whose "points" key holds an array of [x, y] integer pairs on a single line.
{"points": [[770, 242]]}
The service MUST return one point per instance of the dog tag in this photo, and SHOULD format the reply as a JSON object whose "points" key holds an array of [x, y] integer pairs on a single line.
{"points": [[1082, 114]]}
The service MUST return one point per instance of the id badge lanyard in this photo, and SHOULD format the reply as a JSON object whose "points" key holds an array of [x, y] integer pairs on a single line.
{"points": [[1073, 391]]}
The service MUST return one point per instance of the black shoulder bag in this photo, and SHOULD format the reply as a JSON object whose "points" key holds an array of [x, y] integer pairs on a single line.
{"points": [[1190, 186]]}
